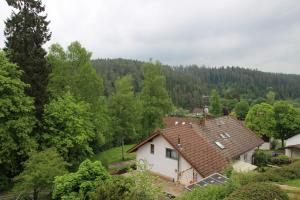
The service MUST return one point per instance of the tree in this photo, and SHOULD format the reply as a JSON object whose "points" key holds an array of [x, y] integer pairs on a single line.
{"points": [[155, 99], [39, 172], [214, 101], [26, 32], [73, 72], [79, 184], [16, 119], [69, 127], [124, 111], [241, 109], [270, 97], [287, 121], [260, 119]]}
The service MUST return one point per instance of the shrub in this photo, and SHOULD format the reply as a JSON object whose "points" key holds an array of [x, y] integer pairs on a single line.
{"points": [[280, 160], [211, 192], [258, 191], [261, 158]]}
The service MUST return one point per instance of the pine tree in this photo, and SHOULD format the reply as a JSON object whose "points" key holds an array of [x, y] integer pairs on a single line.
{"points": [[26, 31]]}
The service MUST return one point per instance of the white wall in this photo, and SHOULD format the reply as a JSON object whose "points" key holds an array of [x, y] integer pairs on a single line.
{"points": [[293, 140], [292, 153], [265, 146], [159, 163], [247, 157]]}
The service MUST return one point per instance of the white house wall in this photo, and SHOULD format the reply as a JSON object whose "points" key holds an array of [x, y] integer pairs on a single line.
{"points": [[293, 140], [247, 157], [159, 163]]}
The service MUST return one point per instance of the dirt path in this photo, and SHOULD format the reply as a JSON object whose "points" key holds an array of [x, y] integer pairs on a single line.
{"points": [[293, 192], [121, 164]]}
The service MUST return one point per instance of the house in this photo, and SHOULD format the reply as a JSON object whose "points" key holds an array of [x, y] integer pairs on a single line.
{"points": [[190, 151], [292, 148]]}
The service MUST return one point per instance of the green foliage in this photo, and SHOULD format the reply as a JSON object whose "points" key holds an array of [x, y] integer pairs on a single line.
{"points": [[187, 84], [117, 188], [26, 32], [72, 71], [141, 186], [280, 160], [78, 185], [258, 191], [146, 187], [16, 120], [155, 99], [241, 109], [270, 97], [68, 127], [211, 192], [112, 155], [260, 119], [215, 105], [287, 120], [39, 172], [261, 158], [124, 111]]}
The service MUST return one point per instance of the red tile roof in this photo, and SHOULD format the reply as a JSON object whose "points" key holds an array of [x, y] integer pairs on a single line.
{"points": [[198, 142]]}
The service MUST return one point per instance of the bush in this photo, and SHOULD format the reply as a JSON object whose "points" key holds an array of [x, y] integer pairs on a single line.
{"points": [[261, 158], [280, 160], [211, 192], [258, 191]]}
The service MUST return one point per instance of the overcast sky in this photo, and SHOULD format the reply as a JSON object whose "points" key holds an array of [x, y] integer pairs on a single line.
{"points": [[260, 34]]}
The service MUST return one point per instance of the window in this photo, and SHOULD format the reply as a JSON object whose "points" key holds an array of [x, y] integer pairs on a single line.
{"points": [[227, 134], [221, 146], [152, 148], [171, 153], [245, 156], [223, 136]]}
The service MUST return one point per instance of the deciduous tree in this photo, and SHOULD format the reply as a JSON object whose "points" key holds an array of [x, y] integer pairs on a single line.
{"points": [[155, 98], [39, 172], [215, 104], [287, 121], [69, 127], [17, 119], [261, 120], [123, 107], [241, 109], [79, 184]]}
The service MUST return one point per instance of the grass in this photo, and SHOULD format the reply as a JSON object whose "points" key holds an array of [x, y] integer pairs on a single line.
{"points": [[114, 155], [294, 182]]}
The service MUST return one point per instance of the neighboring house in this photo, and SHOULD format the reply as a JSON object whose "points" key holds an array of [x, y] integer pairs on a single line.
{"points": [[292, 146], [188, 151]]}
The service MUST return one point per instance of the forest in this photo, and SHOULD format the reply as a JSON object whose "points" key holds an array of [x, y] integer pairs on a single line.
{"points": [[59, 108], [187, 84]]}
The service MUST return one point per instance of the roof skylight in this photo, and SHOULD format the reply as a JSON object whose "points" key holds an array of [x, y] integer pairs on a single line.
{"points": [[227, 134], [220, 145]]}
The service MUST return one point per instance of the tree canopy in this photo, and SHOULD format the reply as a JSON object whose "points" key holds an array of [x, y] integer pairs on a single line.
{"points": [[39, 172], [69, 128], [261, 120], [241, 109], [215, 104], [79, 184], [154, 96], [26, 32], [17, 119], [287, 120]]}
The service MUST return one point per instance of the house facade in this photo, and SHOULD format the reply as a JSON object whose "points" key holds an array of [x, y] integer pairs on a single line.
{"points": [[292, 148], [189, 151]]}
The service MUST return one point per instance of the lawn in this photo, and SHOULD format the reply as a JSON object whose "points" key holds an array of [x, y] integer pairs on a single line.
{"points": [[114, 155], [294, 182]]}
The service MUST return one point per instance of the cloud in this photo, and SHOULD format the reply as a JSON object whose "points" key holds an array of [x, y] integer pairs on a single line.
{"points": [[262, 34]]}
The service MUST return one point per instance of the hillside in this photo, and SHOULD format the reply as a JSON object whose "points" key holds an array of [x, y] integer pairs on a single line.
{"points": [[187, 84]]}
